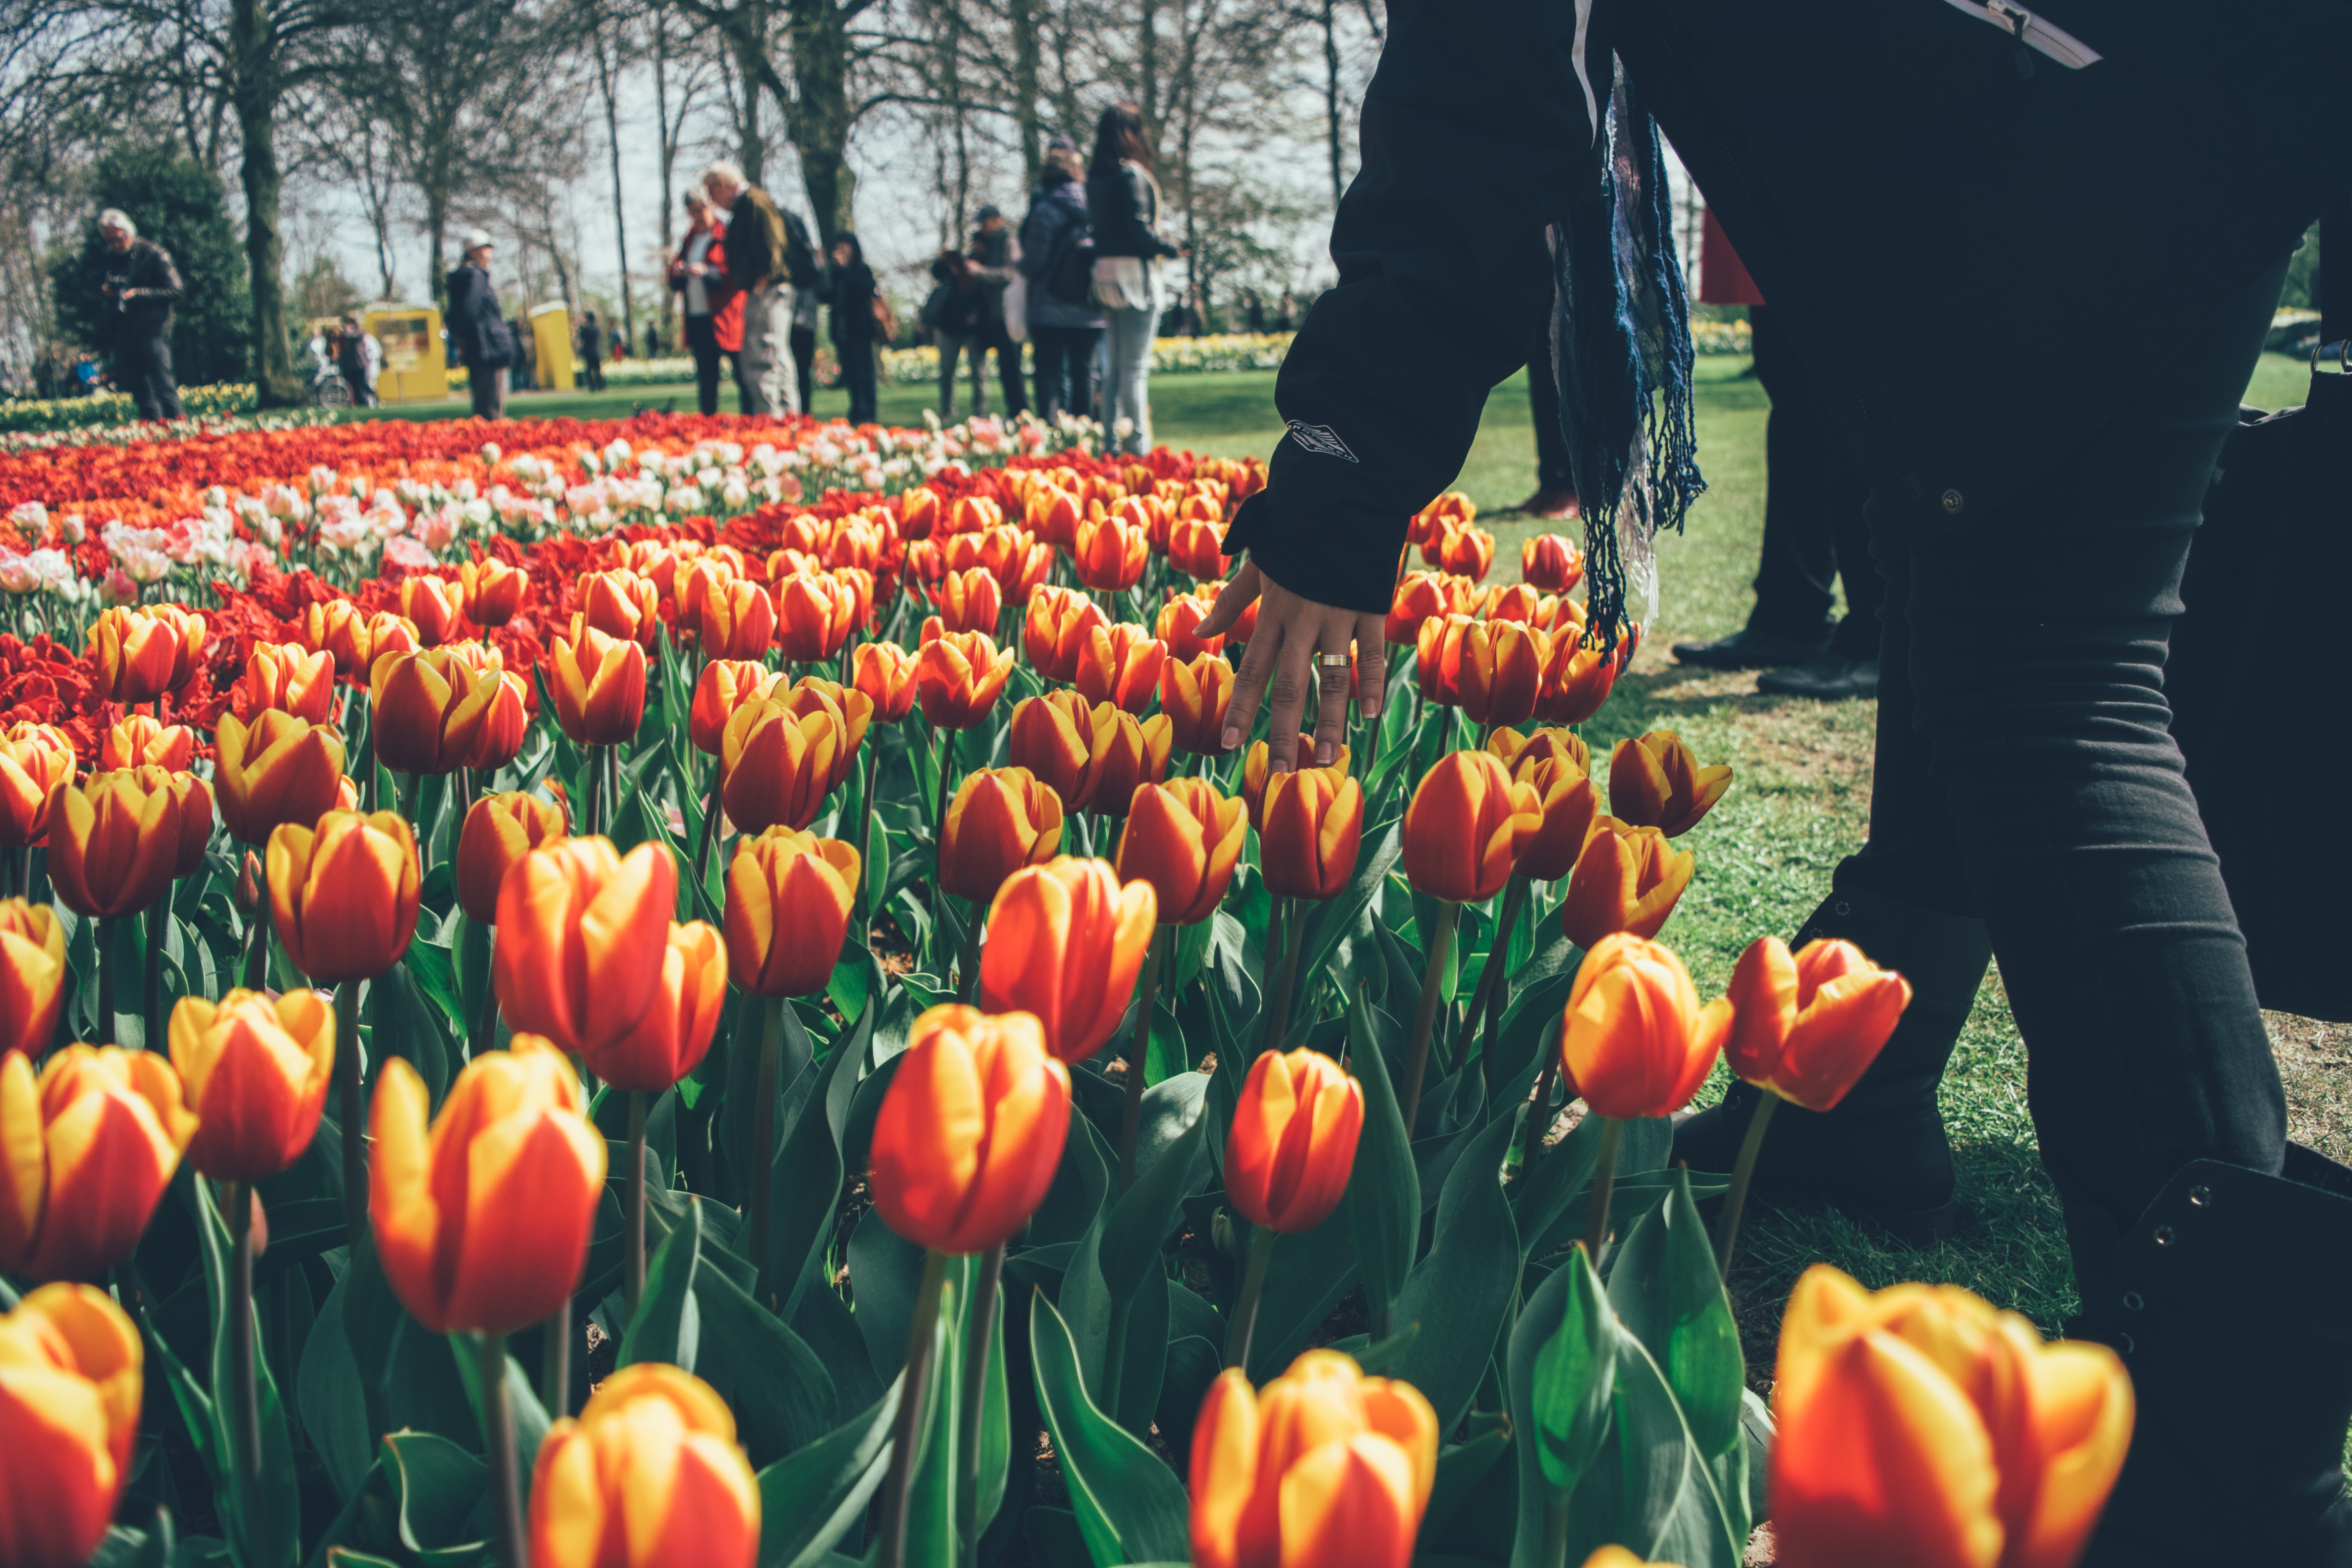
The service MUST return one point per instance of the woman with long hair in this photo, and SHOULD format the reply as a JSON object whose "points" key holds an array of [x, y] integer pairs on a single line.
{"points": [[1124, 201], [1063, 332]]}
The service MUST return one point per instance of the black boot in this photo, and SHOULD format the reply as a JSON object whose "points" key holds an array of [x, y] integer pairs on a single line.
{"points": [[1880, 1154], [2228, 1304]]}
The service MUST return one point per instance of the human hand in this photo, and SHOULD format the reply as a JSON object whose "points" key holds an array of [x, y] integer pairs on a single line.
{"points": [[1292, 631]]}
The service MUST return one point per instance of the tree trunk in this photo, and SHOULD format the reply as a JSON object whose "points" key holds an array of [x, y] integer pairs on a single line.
{"points": [[620, 197], [1024, 90], [749, 35], [256, 88], [820, 131], [1146, 72], [1331, 101]]}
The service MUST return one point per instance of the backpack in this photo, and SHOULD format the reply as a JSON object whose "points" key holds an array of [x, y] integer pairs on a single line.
{"points": [[1071, 277]]}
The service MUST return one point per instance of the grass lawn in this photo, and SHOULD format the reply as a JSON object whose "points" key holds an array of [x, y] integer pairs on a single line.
{"points": [[1801, 802]]}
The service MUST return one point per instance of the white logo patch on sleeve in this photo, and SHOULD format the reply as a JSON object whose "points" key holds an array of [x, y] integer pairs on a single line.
{"points": [[1321, 440]]}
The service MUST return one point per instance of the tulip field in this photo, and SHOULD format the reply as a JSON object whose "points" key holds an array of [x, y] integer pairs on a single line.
{"points": [[712, 991]]}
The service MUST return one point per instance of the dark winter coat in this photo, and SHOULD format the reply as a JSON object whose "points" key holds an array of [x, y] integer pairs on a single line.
{"points": [[1125, 210], [146, 270], [1056, 220], [477, 327]]}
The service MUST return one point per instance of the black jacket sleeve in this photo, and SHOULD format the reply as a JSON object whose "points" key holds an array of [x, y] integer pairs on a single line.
{"points": [[1478, 133], [155, 273], [748, 258]]}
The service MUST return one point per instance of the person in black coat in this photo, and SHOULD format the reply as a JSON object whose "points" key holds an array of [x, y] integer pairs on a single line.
{"points": [[477, 328], [854, 325], [2008, 177], [140, 285], [591, 340]]}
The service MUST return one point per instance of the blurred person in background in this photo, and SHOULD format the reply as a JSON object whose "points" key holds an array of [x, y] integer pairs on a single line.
{"points": [[714, 311], [590, 340], [769, 258], [480, 339], [138, 285], [359, 356], [957, 309], [994, 253], [859, 322], [1123, 200], [1063, 332]]}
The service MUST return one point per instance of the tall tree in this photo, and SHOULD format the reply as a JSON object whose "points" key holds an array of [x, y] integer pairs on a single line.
{"points": [[608, 83]]}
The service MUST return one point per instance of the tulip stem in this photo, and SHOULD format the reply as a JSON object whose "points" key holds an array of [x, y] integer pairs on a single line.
{"points": [[1294, 939], [905, 1435], [159, 915], [257, 953], [710, 830], [975, 1400], [1498, 952], [633, 1277], [764, 1130], [347, 1113], [486, 1021], [1554, 1551], [499, 1443], [968, 960], [555, 1360], [1441, 948], [1139, 1048], [1237, 1336], [1743, 1171], [246, 1411], [107, 964], [1531, 1147], [1604, 1182]]}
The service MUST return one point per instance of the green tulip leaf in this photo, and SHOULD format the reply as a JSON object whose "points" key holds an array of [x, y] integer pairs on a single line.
{"points": [[1376, 856], [1140, 1223], [1384, 1189], [1575, 1379], [523, 1409], [332, 1399], [1665, 1289], [667, 1326], [1312, 1272], [262, 1507], [1130, 1507], [782, 1395], [804, 1183], [436, 1487], [1461, 1293], [810, 1500]]}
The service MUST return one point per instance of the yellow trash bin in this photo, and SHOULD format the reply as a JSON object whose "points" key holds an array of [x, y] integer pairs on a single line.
{"points": [[416, 367], [551, 329]]}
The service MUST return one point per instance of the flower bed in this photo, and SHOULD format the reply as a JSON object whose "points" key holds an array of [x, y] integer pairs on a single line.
{"points": [[770, 925]]}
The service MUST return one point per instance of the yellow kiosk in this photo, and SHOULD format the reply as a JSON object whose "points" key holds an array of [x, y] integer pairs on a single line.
{"points": [[415, 366], [551, 331]]}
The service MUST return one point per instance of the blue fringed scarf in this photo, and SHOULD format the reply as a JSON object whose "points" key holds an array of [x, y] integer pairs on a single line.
{"points": [[1621, 353]]}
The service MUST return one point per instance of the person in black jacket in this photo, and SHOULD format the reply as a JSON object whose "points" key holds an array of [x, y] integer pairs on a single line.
{"points": [[589, 338], [1124, 201], [478, 338], [769, 260], [1065, 333], [140, 285], [993, 252], [854, 326], [957, 312], [2031, 514]]}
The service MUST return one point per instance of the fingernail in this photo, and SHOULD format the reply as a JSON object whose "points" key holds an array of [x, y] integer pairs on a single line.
{"points": [[1324, 751], [1232, 737]]}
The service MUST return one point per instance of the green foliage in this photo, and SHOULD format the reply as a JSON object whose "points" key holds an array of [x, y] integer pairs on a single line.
{"points": [[178, 203]]}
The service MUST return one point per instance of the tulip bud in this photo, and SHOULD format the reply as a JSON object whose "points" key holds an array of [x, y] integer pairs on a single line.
{"points": [[1121, 665], [276, 770], [1519, 601], [493, 591], [1551, 564], [338, 628], [344, 896], [141, 654], [886, 673], [1177, 618], [971, 1130], [32, 975], [504, 727], [1194, 697], [1184, 838], [815, 613], [1110, 554], [674, 1035], [1310, 831], [857, 711], [285, 676], [137, 742], [599, 687], [1500, 672], [737, 620], [1292, 1141], [1807, 1026], [1052, 515], [1065, 942], [1635, 1042], [958, 677], [1323, 1466], [1625, 880], [482, 1224], [1257, 767], [1051, 739], [1569, 803], [116, 842], [71, 1366], [1196, 546], [1918, 1425], [788, 899], [724, 685], [1467, 826], [498, 832], [1465, 551], [84, 1154], [1654, 782], [1516, 749], [695, 583], [969, 601], [1576, 681], [1419, 596], [436, 607], [426, 708], [780, 757], [622, 605], [1000, 820], [255, 1070], [35, 758], [1124, 755], [649, 1474], [582, 935], [1437, 659], [1055, 630]]}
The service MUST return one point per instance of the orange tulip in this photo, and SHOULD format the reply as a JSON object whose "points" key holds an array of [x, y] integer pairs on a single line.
{"points": [[1437, 658], [85, 1152], [599, 687], [482, 1222], [621, 605], [697, 582], [1519, 601], [649, 1475], [971, 514], [1807, 1026], [1570, 805], [969, 601], [1551, 564], [815, 613], [1452, 509], [493, 591], [1065, 943], [582, 933], [788, 899], [1516, 749], [1467, 826], [1123, 755], [1576, 681], [1051, 738], [1000, 820], [724, 685], [70, 1383], [498, 832], [886, 673], [1654, 782], [1053, 515], [1501, 671], [1465, 551], [276, 770], [1194, 697], [674, 1035], [34, 760], [971, 1130], [255, 1068], [1196, 546], [1121, 665], [353, 638], [136, 740], [1918, 1424], [1310, 830], [343, 895], [958, 677], [779, 758], [737, 620], [1323, 1467], [1635, 1041], [1257, 767], [32, 975], [1111, 555], [1419, 596], [1174, 626], [1055, 630], [426, 708], [1292, 1141], [1184, 838], [116, 842], [434, 606], [857, 711], [140, 653], [504, 727], [1626, 880], [289, 677]]}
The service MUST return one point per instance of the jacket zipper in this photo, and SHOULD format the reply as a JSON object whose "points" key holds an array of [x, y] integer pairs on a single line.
{"points": [[2044, 38]]}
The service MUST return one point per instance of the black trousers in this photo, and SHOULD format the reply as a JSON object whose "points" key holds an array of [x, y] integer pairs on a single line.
{"points": [[1008, 362], [858, 378], [1555, 470], [1066, 369], [805, 362], [1814, 529], [702, 343], [593, 370], [487, 384], [142, 367]]}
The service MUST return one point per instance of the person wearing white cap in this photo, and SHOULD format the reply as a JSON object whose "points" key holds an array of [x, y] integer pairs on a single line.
{"points": [[477, 328], [140, 285]]}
